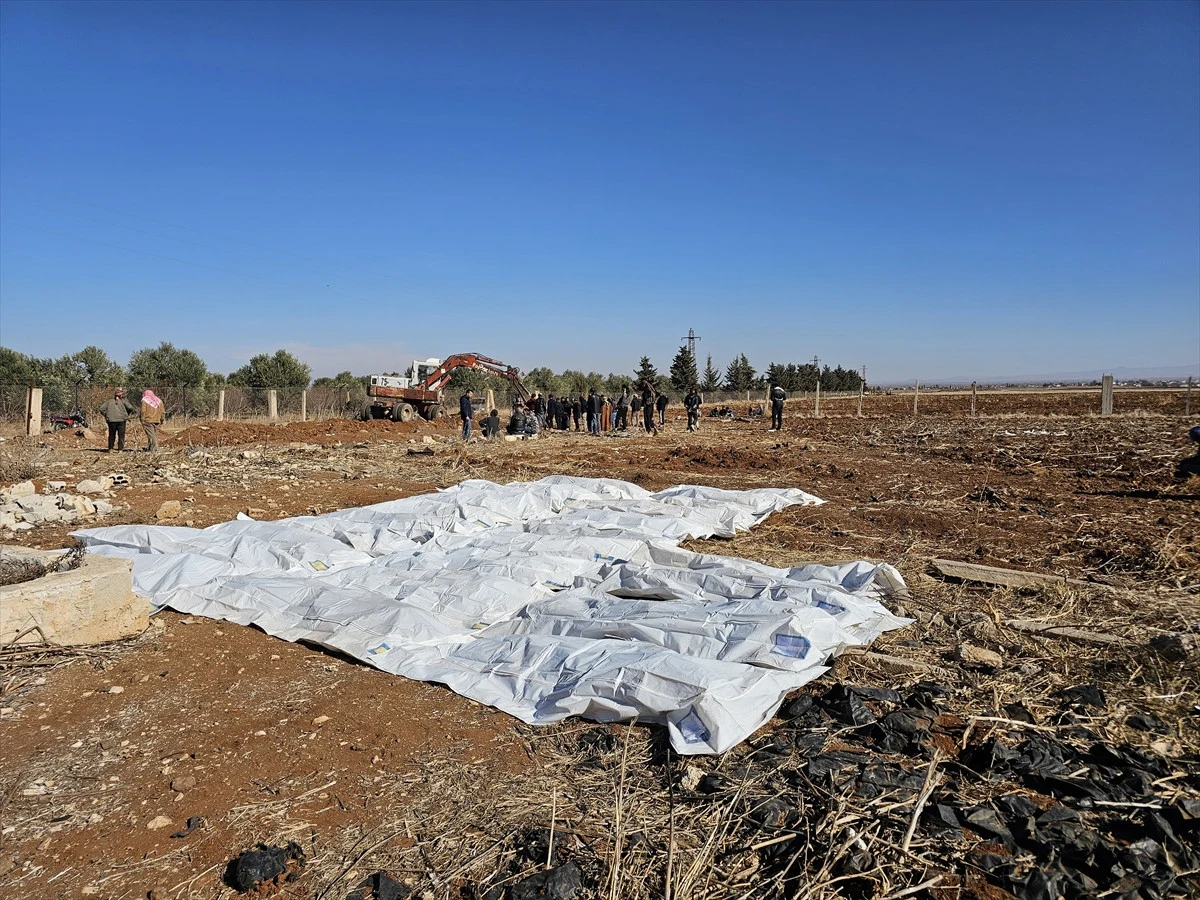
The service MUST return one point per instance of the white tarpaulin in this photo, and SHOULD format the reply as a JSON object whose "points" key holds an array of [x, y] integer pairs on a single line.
{"points": [[560, 597]]}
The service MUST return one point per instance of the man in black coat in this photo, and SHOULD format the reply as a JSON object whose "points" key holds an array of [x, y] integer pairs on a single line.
{"points": [[662, 409], [466, 411], [692, 404], [576, 409], [777, 398], [648, 397]]}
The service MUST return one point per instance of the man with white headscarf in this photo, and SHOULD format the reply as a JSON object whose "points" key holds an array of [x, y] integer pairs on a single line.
{"points": [[152, 417]]}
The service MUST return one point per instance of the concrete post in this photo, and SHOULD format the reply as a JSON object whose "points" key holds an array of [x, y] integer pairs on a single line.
{"points": [[304, 406], [1106, 392], [974, 387], [272, 405], [221, 405], [33, 412], [491, 401], [862, 387], [1187, 404], [916, 394], [817, 401]]}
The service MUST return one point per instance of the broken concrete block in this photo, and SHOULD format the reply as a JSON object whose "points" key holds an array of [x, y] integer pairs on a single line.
{"points": [[170, 509], [87, 605], [90, 486]]}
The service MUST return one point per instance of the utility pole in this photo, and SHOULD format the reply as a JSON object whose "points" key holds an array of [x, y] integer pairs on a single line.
{"points": [[691, 339]]}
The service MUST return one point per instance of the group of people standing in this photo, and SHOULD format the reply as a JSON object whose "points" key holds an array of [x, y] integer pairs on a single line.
{"points": [[118, 410], [598, 413]]}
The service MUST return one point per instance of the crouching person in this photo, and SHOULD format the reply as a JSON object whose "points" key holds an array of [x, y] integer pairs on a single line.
{"points": [[491, 426]]}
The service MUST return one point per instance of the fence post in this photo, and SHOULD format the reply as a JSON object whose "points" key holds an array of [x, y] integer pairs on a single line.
{"points": [[304, 406], [221, 405], [272, 405], [33, 412], [974, 388], [1187, 404], [817, 401], [491, 401], [862, 386], [916, 393], [1106, 392]]}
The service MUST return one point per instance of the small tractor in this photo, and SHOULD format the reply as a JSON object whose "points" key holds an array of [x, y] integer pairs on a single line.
{"points": [[402, 398]]}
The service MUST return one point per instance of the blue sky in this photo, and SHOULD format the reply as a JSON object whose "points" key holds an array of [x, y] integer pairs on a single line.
{"points": [[932, 190]]}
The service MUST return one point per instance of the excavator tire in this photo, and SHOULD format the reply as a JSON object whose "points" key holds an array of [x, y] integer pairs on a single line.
{"points": [[402, 412]]}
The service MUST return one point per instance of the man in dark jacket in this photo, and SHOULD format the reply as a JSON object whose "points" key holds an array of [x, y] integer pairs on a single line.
{"points": [[662, 409], [116, 412], [691, 403], [576, 409], [552, 412], [466, 411], [648, 397], [623, 410], [595, 406], [777, 398], [491, 425]]}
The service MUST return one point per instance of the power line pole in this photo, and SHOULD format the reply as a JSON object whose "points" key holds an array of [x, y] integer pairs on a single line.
{"points": [[691, 339]]}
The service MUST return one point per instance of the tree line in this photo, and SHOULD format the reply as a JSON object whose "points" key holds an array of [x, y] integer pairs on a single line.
{"points": [[178, 375], [184, 381]]}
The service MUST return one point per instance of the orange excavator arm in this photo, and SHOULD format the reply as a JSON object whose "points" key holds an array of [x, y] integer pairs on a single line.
{"points": [[436, 380]]}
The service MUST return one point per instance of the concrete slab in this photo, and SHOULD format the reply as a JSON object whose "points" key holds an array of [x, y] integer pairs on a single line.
{"points": [[88, 605]]}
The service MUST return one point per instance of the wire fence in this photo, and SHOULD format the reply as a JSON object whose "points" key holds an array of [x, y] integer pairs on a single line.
{"points": [[246, 404]]}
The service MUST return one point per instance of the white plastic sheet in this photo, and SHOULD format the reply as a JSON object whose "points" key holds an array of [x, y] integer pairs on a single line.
{"points": [[561, 597]]}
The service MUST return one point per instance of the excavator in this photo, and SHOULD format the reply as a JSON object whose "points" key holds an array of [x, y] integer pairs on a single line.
{"points": [[402, 398]]}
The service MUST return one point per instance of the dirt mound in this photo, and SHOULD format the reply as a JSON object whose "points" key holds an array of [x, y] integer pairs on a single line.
{"points": [[731, 458]]}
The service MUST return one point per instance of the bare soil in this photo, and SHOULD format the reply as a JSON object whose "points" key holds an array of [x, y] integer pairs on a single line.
{"points": [[86, 770]]}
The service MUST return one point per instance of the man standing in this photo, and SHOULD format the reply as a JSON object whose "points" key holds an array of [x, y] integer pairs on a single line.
{"points": [[116, 412], [777, 398], [622, 421], [576, 409], [466, 411], [152, 416], [662, 409], [692, 404], [648, 397], [594, 407]]}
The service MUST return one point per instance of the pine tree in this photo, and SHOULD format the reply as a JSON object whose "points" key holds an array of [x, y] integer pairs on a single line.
{"points": [[739, 376], [646, 372], [683, 371], [712, 378]]}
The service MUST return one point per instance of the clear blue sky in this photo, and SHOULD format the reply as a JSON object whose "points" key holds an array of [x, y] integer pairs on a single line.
{"points": [[932, 190]]}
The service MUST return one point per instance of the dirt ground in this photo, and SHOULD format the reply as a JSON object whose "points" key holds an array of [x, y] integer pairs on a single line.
{"points": [[269, 741]]}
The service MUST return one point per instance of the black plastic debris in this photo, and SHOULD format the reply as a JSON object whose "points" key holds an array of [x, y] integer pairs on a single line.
{"points": [[265, 864], [879, 778], [880, 695], [193, 823], [985, 821], [824, 764], [534, 845], [846, 707], [597, 740], [793, 709], [1016, 806], [1083, 695], [940, 817], [1146, 722], [1018, 713], [561, 883], [379, 886], [809, 743], [772, 813]]}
